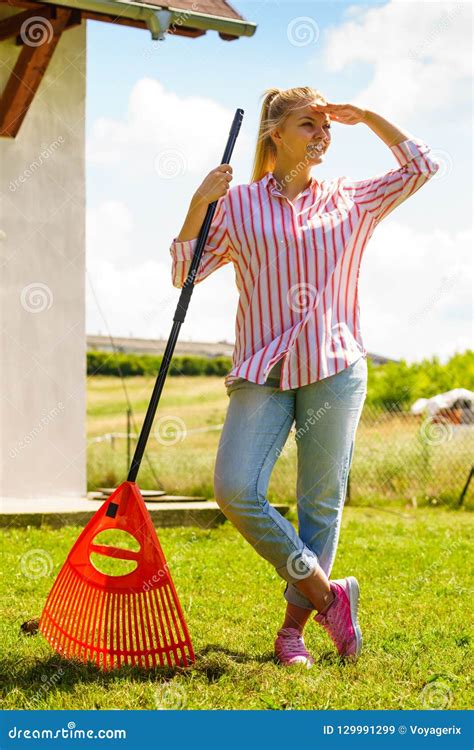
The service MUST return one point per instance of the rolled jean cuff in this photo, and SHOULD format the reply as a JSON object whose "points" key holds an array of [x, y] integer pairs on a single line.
{"points": [[299, 565], [293, 596]]}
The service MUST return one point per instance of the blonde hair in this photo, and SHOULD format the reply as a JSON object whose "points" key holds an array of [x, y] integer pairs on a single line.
{"points": [[277, 105]]}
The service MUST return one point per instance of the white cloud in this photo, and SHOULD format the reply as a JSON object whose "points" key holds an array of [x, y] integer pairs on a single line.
{"points": [[140, 301], [420, 53], [414, 291], [109, 230], [163, 133], [162, 136], [136, 297]]}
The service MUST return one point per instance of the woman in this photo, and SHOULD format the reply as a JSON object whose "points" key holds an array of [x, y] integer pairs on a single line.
{"points": [[296, 244]]}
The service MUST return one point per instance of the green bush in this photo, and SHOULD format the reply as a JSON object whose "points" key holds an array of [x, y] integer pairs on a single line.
{"points": [[391, 386], [395, 386], [110, 363]]}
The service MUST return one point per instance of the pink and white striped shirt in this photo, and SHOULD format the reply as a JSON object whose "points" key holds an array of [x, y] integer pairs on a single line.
{"points": [[297, 266]]}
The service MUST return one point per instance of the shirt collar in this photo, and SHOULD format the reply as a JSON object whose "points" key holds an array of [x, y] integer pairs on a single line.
{"points": [[269, 181]]}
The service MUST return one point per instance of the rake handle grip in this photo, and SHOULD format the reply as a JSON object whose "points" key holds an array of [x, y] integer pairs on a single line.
{"points": [[181, 310], [117, 552]]}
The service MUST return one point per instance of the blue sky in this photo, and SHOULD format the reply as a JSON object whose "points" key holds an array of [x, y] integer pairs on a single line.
{"points": [[154, 106]]}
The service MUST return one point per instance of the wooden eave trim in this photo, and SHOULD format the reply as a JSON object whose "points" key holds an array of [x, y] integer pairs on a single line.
{"points": [[28, 73]]}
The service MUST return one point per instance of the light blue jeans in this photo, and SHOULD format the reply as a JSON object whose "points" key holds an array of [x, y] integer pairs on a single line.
{"points": [[257, 424]]}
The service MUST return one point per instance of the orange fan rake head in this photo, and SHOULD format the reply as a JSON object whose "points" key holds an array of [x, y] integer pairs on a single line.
{"points": [[133, 619]]}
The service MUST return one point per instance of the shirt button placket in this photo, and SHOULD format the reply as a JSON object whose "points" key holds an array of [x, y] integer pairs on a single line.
{"points": [[286, 359]]}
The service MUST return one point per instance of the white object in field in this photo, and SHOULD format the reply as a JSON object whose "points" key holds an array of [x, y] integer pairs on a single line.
{"points": [[442, 401]]}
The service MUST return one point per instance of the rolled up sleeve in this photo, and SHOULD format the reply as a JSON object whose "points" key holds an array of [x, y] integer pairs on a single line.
{"points": [[379, 195], [217, 250]]}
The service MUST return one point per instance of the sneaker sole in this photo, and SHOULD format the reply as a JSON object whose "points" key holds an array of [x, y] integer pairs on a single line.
{"points": [[308, 663], [354, 596]]}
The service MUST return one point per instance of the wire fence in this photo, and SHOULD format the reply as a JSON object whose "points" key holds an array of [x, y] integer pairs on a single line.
{"points": [[399, 455]]}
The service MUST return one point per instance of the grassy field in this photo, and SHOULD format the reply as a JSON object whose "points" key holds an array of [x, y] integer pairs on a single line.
{"points": [[415, 615], [182, 465], [396, 458]]}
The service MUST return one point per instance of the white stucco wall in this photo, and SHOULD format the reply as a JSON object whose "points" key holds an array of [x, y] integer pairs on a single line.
{"points": [[42, 308]]}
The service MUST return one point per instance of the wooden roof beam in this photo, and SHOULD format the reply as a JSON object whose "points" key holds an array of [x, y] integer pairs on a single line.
{"points": [[28, 73], [12, 25]]}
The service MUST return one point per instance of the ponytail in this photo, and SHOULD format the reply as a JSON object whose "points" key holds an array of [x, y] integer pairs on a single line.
{"points": [[265, 151]]}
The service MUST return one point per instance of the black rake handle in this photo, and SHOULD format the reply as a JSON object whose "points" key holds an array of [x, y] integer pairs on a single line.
{"points": [[181, 310]]}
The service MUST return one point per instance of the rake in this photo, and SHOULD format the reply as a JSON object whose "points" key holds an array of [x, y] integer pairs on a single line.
{"points": [[133, 618]]}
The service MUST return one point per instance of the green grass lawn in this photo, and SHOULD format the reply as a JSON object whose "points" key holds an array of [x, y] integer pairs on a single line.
{"points": [[415, 613], [392, 462]]}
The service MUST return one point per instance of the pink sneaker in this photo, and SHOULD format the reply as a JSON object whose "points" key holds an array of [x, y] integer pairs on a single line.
{"points": [[290, 648], [340, 618]]}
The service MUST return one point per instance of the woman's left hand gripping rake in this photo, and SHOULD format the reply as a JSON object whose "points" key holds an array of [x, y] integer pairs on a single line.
{"points": [[134, 618]]}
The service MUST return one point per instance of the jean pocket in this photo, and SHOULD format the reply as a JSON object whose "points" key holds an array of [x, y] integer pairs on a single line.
{"points": [[236, 384]]}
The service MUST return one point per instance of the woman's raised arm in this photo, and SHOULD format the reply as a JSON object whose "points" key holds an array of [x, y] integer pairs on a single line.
{"points": [[379, 195]]}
